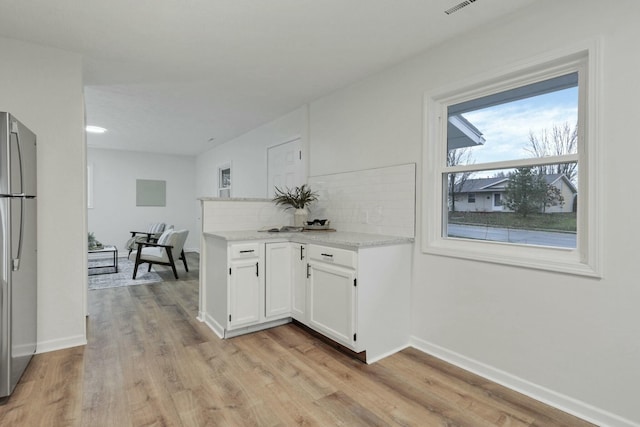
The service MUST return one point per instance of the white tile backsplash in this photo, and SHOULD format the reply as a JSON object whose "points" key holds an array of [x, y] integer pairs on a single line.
{"points": [[229, 215], [380, 201]]}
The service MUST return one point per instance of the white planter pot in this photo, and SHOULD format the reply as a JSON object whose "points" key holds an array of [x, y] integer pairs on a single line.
{"points": [[300, 217]]}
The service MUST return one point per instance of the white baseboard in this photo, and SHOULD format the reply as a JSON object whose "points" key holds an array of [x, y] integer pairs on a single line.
{"points": [[217, 328], [381, 356], [560, 401], [256, 328], [222, 333], [60, 344]]}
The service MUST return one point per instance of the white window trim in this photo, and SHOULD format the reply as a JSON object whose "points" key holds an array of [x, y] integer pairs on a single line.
{"points": [[585, 260]]}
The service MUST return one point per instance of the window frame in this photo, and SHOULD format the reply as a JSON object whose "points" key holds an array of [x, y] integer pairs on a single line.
{"points": [[585, 259], [221, 187]]}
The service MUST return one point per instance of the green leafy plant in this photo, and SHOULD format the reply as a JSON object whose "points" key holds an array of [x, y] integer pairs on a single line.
{"points": [[92, 242], [297, 198], [526, 192]]}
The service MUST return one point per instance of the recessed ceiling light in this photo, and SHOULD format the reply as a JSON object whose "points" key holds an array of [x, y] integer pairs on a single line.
{"points": [[95, 129]]}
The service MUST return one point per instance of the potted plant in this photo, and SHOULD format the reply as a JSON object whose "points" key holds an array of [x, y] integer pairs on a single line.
{"points": [[93, 243], [298, 198]]}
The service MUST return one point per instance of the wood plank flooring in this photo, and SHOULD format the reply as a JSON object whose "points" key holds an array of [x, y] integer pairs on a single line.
{"points": [[149, 362]]}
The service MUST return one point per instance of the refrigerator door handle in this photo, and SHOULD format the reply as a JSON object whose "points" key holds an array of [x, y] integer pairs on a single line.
{"points": [[15, 262], [14, 131]]}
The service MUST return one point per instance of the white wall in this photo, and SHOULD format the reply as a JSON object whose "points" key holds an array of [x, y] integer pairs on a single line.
{"points": [[115, 214], [567, 339], [42, 87], [248, 155]]}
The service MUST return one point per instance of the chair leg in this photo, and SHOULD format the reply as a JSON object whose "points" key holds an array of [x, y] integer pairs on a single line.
{"points": [[135, 269], [184, 261], [173, 264]]}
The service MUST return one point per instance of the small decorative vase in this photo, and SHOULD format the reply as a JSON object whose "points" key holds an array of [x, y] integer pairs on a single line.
{"points": [[300, 217]]}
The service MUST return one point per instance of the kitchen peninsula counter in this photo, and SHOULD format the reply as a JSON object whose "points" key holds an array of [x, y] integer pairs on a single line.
{"points": [[344, 239], [351, 288]]}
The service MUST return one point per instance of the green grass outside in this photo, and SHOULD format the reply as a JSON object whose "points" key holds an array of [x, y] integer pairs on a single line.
{"points": [[548, 221]]}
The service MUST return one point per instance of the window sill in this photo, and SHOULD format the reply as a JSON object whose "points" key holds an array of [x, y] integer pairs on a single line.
{"points": [[559, 260]]}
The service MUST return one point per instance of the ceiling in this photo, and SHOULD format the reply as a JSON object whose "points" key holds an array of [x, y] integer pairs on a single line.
{"points": [[180, 76]]}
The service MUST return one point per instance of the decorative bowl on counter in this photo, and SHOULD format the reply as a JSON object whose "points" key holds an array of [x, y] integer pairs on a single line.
{"points": [[318, 224]]}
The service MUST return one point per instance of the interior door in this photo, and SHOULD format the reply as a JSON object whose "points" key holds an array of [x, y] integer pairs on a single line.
{"points": [[285, 166]]}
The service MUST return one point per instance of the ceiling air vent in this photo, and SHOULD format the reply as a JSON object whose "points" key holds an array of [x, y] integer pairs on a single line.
{"points": [[459, 6]]}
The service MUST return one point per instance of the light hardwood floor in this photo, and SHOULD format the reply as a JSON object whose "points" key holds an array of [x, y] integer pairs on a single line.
{"points": [[149, 362]]}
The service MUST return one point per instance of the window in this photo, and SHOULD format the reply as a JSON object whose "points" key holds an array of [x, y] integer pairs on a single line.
{"points": [[224, 180], [497, 201], [517, 146]]}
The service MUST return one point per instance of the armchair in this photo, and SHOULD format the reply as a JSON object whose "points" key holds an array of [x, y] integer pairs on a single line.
{"points": [[153, 233], [168, 248]]}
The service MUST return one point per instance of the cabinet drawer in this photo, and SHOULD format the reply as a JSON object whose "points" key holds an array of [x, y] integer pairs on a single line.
{"points": [[343, 257], [245, 250]]}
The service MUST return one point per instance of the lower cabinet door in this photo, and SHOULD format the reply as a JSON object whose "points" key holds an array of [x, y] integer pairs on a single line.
{"points": [[332, 299], [244, 293], [278, 275], [299, 284]]}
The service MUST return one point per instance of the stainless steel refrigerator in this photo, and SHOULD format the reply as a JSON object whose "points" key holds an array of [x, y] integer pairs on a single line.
{"points": [[18, 307]]}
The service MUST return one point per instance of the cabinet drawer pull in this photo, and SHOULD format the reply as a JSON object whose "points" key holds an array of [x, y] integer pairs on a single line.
{"points": [[327, 255], [301, 252], [257, 270], [248, 251]]}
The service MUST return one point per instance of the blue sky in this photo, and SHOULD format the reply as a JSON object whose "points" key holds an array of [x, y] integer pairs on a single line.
{"points": [[506, 127]]}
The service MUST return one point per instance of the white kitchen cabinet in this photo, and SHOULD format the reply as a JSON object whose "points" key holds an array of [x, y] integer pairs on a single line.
{"points": [[332, 298], [235, 291], [244, 292], [357, 296], [245, 281], [278, 279], [299, 283]]}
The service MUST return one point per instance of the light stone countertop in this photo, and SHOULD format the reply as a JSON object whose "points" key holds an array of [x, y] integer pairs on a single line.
{"points": [[343, 239], [233, 199]]}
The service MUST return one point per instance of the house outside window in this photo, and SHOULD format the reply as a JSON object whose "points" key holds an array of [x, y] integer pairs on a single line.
{"points": [[516, 149]]}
